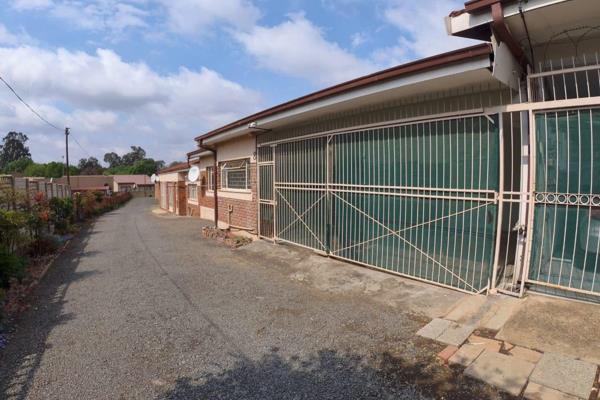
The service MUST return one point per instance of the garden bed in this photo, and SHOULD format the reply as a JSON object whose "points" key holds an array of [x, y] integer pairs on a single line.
{"points": [[225, 236]]}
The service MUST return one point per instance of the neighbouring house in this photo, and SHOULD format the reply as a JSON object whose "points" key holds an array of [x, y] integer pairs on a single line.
{"points": [[473, 169], [89, 183], [170, 188], [137, 185]]}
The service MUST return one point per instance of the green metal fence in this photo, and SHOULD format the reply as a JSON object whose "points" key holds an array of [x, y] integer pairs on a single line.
{"points": [[416, 199], [566, 230]]}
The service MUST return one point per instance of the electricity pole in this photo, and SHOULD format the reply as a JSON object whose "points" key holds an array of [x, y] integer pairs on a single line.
{"points": [[67, 154]]}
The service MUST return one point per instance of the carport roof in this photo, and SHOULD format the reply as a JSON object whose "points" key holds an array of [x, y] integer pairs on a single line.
{"points": [[430, 63]]}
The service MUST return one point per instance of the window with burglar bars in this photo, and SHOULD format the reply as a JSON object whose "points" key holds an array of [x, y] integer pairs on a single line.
{"points": [[210, 178], [235, 174], [192, 192]]}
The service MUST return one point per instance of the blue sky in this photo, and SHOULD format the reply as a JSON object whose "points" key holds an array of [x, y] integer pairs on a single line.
{"points": [[157, 73]]}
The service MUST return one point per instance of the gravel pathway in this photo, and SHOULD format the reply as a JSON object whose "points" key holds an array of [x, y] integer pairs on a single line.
{"points": [[141, 307]]}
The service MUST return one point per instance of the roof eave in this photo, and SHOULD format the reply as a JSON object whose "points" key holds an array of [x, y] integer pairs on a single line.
{"points": [[414, 67]]}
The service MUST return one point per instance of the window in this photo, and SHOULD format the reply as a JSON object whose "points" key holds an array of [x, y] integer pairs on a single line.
{"points": [[210, 176], [192, 192], [235, 174]]}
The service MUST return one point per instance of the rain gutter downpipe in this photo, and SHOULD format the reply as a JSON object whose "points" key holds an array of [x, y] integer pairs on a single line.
{"points": [[214, 152], [502, 32]]}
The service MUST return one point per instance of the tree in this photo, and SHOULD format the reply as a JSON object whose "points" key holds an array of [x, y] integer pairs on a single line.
{"points": [[13, 148], [17, 166], [136, 154], [146, 167], [112, 159], [90, 166]]}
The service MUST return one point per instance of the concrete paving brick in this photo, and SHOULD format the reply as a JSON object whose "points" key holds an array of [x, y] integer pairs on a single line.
{"points": [[448, 352], [435, 328], [534, 391], [525, 354], [502, 312], [466, 354], [565, 374], [456, 334], [488, 344], [507, 373]]}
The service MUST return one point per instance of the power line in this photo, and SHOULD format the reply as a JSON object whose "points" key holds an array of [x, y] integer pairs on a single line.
{"points": [[28, 106], [81, 147]]}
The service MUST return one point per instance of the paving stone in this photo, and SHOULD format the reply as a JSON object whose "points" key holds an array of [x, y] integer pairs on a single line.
{"points": [[456, 334], [565, 374], [488, 344], [467, 309], [502, 313], [466, 354], [507, 373], [508, 346], [448, 352], [525, 354], [434, 329], [534, 391]]}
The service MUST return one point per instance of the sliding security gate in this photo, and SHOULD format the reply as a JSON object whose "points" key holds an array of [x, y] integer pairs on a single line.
{"points": [[566, 222], [418, 199]]}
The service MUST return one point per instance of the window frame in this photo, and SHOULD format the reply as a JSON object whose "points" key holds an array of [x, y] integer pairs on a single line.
{"points": [[189, 191], [210, 176], [229, 166]]}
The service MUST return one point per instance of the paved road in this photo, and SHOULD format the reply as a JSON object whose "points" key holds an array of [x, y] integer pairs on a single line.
{"points": [[142, 307]]}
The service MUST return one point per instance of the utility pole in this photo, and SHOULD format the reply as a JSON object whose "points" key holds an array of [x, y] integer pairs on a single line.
{"points": [[67, 154]]}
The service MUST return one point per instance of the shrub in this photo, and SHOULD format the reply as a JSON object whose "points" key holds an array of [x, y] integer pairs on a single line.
{"points": [[61, 214], [13, 224], [11, 266], [43, 245]]}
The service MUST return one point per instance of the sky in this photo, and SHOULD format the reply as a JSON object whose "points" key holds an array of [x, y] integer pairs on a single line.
{"points": [[157, 73]]}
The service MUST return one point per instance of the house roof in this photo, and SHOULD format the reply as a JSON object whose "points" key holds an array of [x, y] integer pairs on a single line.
{"points": [[135, 179], [87, 182], [182, 166], [372, 79]]}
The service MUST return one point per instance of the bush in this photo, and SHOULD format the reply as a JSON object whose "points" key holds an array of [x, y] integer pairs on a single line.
{"points": [[11, 266], [43, 245], [61, 214]]}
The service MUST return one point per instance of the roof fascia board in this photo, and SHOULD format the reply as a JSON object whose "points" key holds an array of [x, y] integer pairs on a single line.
{"points": [[482, 62], [465, 21]]}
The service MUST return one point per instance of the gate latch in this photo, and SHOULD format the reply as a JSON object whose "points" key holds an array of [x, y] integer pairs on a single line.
{"points": [[520, 228]]}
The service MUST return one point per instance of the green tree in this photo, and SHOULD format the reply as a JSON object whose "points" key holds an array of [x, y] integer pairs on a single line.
{"points": [[136, 154], [112, 159], [17, 166], [13, 148], [90, 166], [37, 170]]}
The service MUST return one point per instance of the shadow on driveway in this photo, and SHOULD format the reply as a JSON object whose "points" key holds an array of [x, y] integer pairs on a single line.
{"points": [[22, 356], [331, 375]]}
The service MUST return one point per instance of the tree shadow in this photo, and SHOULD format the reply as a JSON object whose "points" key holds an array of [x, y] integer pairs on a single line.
{"points": [[28, 333], [332, 375]]}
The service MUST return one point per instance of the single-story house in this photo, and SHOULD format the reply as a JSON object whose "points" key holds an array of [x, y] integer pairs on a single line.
{"points": [[473, 169], [89, 183], [135, 184], [170, 188]]}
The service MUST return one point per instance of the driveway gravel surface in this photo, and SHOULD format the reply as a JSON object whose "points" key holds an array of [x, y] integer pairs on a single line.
{"points": [[140, 306]]}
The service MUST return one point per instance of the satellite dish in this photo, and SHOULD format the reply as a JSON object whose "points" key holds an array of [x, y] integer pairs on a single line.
{"points": [[154, 178], [194, 174]]}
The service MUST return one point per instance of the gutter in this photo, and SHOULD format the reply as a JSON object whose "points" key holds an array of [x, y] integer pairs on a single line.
{"points": [[216, 197], [504, 35]]}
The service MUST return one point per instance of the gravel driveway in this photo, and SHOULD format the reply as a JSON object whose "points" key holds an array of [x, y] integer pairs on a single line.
{"points": [[140, 306]]}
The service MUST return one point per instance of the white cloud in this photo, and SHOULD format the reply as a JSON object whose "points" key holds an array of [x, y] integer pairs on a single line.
{"points": [[192, 17], [358, 39], [111, 104], [13, 39], [298, 48], [31, 4], [422, 29]]}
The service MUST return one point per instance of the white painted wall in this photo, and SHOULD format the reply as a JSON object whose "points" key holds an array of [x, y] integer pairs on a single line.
{"points": [[242, 147]]}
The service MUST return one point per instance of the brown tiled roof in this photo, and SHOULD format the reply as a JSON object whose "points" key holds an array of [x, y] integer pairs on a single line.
{"points": [[87, 182], [135, 179]]}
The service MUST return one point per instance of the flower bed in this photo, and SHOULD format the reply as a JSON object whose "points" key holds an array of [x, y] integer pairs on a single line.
{"points": [[225, 236]]}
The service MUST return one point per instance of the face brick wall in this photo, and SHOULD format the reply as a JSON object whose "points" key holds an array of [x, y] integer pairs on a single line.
{"points": [[244, 212]]}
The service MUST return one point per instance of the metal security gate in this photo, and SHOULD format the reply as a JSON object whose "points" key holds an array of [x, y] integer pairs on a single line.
{"points": [[417, 199], [566, 222]]}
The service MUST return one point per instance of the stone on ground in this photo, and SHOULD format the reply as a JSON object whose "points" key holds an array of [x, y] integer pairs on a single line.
{"points": [[565, 374], [539, 392], [456, 334], [466, 354], [507, 373], [434, 329], [525, 354]]}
